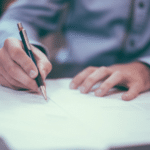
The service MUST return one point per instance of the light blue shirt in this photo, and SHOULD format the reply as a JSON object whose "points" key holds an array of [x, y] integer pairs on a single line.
{"points": [[98, 32]]}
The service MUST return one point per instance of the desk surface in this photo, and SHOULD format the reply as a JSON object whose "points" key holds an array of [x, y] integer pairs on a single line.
{"points": [[72, 120]]}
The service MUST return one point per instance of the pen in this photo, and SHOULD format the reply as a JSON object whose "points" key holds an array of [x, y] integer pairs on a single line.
{"points": [[27, 48]]}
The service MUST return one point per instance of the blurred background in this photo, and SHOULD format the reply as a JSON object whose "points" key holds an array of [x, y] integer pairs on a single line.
{"points": [[52, 42], [4, 4]]}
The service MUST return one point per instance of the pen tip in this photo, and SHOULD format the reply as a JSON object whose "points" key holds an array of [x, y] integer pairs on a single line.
{"points": [[43, 91]]}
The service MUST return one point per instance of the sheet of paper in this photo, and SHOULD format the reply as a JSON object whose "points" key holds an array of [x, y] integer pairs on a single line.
{"points": [[27, 121], [72, 120], [110, 118]]}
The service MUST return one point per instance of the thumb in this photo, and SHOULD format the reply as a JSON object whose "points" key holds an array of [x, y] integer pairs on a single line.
{"points": [[132, 93], [44, 68], [42, 61]]}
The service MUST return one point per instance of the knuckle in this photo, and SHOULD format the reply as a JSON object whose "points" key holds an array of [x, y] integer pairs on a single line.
{"points": [[118, 73], [108, 84], [77, 79], [90, 80], [129, 74], [90, 69], [104, 69], [79, 75]]}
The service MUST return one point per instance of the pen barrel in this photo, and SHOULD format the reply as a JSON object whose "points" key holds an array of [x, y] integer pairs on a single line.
{"points": [[28, 51], [25, 41], [38, 79]]}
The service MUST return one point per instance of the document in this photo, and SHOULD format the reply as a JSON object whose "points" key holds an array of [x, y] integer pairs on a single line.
{"points": [[71, 120]]}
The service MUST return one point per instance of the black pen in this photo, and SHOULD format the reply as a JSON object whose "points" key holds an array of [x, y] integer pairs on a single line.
{"points": [[28, 50]]}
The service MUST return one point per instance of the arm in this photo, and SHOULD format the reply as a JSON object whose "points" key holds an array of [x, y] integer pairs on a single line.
{"points": [[17, 70]]}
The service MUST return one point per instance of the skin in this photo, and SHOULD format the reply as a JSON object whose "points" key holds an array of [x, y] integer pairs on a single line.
{"points": [[17, 70], [133, 76]]}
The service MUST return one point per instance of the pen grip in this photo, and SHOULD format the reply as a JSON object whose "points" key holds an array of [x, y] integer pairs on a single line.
{"points": [[28, 51], [38, 79]]}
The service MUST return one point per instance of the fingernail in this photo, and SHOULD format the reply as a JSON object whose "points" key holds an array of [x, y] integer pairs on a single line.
{"points": [[32, 74], [98, 92], [82, 89], [72, 86]]}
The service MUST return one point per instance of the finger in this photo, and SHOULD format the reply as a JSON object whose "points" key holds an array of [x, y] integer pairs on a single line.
{"points": [[43, 63], [132, 93], [44, 70], [79, 78], [10, 80], [17, 54], [92, 79], [17, 73], [109, 83], [5, 83]]}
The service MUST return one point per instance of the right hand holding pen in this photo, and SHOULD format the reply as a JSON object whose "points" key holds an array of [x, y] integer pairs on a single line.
{"points": [[17, 70]]}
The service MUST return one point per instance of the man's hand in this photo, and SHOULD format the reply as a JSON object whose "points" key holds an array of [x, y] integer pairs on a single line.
{"points": [[134, 76], [17, 70]]}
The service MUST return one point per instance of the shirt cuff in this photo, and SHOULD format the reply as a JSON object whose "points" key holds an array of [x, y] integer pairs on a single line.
{"points": [[145, 60]]}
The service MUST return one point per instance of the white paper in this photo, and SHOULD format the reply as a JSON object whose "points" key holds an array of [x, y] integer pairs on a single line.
{"points": [[72, 120]]}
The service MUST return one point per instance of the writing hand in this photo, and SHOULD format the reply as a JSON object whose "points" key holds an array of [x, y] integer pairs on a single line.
{"points": [[134, 76], [17, 70]]}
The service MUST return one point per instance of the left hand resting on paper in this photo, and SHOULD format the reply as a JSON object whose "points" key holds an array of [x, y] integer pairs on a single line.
{"points": [[133, 76]]}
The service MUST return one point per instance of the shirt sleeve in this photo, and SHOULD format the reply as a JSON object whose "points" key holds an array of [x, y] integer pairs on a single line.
{"points": [[138, 42], [39, 18], [145, 60]]}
